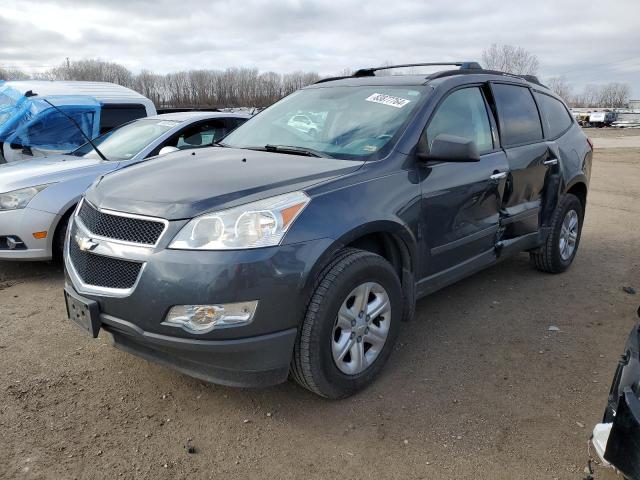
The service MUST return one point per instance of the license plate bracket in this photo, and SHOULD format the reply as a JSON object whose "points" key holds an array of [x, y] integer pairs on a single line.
{"points": [[83, 312]]}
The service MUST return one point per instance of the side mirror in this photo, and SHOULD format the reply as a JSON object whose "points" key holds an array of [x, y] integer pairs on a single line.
{"points": [[450, 148], [165, 150]]}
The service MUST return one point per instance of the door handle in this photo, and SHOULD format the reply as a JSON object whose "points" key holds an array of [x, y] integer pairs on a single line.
{"points": [[498, 176], [551, 161]]}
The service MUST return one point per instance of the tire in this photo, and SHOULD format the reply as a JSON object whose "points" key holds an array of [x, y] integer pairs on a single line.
{"points": [[58, 240], [551, 257], [313, 364]]}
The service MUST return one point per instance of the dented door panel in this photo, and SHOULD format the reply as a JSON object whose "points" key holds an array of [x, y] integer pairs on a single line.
{"points": [[461, 209]]}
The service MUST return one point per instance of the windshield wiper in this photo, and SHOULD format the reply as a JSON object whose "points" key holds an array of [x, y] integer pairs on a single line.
{"points": [[293, 150], [76, 125]]}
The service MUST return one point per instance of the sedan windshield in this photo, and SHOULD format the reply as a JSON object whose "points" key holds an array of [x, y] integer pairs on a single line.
{"points": [[340, 122], [127, 141]]}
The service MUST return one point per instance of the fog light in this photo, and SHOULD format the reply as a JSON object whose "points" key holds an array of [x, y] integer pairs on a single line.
{"points": [[204, 318], [14, 242]]}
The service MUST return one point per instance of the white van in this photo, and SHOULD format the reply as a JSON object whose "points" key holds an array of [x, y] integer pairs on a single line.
{"points": [[32, 126], [602, 119]]}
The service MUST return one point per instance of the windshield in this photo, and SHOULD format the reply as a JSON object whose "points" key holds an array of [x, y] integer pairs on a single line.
{"points": [[125, 142], [340, 122]]}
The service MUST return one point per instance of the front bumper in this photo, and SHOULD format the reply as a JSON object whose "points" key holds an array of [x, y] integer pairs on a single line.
{"points": [[23, 223], [246, 362], [255, 354]]}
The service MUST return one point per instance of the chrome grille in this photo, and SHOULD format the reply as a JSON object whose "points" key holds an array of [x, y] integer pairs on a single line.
{"points": [[100, 271], [122, 228]]}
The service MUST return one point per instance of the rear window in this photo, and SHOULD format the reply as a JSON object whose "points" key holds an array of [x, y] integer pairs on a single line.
{"points": [[556, 117], [519, 119]]}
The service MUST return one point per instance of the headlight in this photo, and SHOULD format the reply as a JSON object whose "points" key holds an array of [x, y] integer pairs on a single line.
{"points": [[19, 198], [254, 225]]}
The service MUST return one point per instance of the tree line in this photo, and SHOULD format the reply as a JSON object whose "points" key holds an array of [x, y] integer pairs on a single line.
{"points": [[232, 87], [247, 87]]}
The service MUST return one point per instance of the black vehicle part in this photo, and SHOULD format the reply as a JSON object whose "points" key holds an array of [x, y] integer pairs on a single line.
{"points": [[623, 446], [312, 365], [60, 234], [547, 258], [369, 72]]}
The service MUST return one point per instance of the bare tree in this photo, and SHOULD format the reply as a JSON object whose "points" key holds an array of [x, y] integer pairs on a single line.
{"points": [[92, 70], [610, 95], [233, 87], [560, 87], [614, 95], [510, 59], [13, 74]]}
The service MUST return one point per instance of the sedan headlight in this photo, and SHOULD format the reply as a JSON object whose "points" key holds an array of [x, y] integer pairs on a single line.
{"points": [[19, 198], [258, 224]]}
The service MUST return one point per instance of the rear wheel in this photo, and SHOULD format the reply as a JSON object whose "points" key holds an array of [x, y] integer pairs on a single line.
{"points": [[558, 252], [350, 326]]}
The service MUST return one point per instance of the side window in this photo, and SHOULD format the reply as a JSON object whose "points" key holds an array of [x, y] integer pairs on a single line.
{"points": [[233, 123], [114, 115], [195, 136], [556, 117], [518, 115], [463, 114]]}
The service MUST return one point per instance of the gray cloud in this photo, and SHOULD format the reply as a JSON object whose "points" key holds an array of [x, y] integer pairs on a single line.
{"points": [[588, 42]]}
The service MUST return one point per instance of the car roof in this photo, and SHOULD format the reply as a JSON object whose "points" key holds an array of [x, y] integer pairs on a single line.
{"points": [[197, 115], [102, 91]]}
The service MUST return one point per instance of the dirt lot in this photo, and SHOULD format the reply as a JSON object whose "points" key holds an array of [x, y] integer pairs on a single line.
{"points": [[478, 386]]}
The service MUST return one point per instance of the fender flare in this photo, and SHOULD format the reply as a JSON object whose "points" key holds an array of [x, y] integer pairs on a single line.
{"points": [[579, 178], [405, 241]]}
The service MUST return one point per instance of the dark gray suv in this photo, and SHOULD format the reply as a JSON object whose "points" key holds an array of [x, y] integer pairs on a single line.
{"points": [[282, 252]]}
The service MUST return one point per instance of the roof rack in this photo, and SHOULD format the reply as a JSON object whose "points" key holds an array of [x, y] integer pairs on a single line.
{"points": [[370, 72], [465, 67], [532, 79], [448, 73]]}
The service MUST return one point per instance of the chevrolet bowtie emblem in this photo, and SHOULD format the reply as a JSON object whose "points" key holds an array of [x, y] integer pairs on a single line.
{"points": [[85, 243]]}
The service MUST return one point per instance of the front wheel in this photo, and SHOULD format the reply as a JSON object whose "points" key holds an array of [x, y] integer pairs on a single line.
{"points": [[350, 325], [59, 237], [558, 252]]}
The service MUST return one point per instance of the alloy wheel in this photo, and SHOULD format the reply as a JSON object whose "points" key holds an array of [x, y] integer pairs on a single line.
{"points": [[361, 328], [569, 234]]}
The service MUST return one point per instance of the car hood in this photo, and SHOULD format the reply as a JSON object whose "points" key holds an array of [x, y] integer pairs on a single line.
{"points": [[40, 171], [186, 184]]}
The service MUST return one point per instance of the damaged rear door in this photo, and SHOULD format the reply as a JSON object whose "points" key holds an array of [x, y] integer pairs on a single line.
{"points": [[529, 157]]}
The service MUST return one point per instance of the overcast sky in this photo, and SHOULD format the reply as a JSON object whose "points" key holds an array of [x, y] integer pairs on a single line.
{"points": [[586, 41]]}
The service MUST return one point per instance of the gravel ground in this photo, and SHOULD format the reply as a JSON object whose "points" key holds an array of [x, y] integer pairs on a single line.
{"points": [[477, 388]]}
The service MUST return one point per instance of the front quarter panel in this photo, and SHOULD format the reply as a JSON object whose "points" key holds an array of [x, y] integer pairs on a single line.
{"points": [[373, 200]]}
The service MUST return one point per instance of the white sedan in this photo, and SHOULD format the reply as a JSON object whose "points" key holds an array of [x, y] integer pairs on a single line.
{"points": [[38, 196]]}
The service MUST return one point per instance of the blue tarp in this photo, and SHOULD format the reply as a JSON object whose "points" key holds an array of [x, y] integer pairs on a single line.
{"points": [[32, 122]]}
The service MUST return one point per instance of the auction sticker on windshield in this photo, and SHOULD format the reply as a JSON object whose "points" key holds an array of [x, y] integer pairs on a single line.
{"points": [[390, 100]]}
